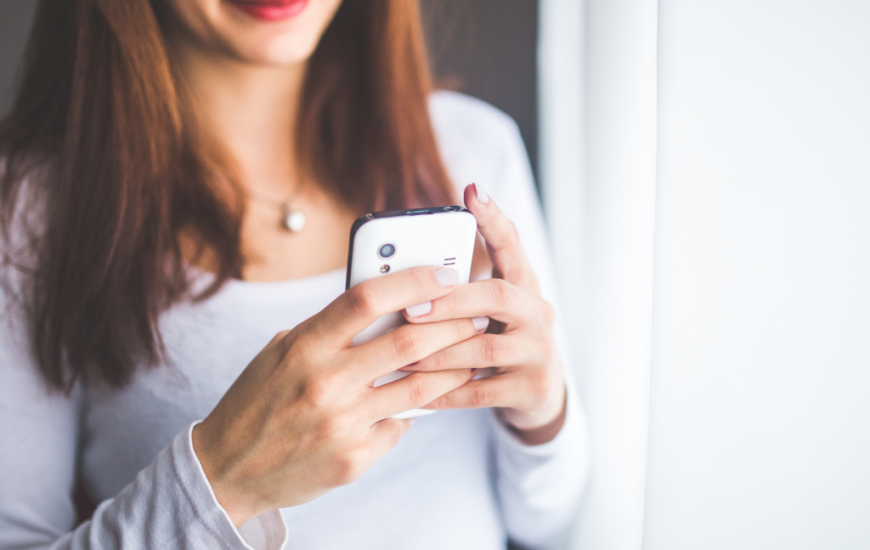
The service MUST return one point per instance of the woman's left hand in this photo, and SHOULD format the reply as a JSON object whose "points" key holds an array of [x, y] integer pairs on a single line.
{"points": [[528, 385]]}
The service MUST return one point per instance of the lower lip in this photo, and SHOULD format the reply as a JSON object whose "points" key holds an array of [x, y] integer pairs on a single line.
{"points": [[271, 11]]}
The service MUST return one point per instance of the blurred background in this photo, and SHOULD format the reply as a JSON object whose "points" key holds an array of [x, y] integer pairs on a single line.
{"points": [[705, 172], [485, 48]]}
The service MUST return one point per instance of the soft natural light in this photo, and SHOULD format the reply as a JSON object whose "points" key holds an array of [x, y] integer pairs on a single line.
{"points": [[709, 205]]}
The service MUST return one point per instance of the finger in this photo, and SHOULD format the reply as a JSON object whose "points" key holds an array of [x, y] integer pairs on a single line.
{"points": [[485, 350], [405, 345], [363, 304], [502, 239], [383, 436], [412, 392], [494, 298], [386, 433], [496, 391]]}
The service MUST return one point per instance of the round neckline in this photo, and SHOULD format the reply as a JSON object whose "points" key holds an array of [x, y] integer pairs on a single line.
{"points": [[273, 286], [289, 282]]}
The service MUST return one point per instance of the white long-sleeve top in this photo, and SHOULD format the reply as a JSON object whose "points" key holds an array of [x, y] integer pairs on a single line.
{"points": [[458, 479]]}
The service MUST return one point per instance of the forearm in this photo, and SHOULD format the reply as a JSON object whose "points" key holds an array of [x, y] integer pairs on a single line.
{"points": [[169, 505], [540, 486]]}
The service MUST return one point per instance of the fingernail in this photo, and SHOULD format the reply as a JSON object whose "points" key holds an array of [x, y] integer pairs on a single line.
{"points": [[447, 277], [419, 309], [480, 194], [480, 323]]}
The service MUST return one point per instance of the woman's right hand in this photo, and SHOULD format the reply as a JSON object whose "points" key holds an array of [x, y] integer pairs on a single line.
{"points": [[304, 417]]}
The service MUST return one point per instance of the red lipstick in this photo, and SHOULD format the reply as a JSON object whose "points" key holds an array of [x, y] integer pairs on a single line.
{"points": [[270, 10]]}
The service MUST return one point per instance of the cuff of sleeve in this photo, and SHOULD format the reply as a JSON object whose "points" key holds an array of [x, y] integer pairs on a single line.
{"points": [[574, 423], [264, 532]]}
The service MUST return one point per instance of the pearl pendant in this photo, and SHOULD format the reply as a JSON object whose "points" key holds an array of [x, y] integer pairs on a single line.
{"points": [[294, 220]]}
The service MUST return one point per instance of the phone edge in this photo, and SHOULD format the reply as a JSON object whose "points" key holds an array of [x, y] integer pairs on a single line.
{"points": [[365, 218]]}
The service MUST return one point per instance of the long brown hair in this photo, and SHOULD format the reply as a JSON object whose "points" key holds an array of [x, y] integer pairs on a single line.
{"points": [[102, 133]]}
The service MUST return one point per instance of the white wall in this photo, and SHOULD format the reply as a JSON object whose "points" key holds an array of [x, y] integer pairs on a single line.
{"points": [[760, 422], [710, 206]]}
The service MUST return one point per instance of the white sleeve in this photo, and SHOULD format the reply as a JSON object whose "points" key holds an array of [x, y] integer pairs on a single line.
{"points": [[540, 486], [169, 505]]}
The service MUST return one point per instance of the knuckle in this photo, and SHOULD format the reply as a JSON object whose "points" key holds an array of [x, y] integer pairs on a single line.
{"points": [[363, 299], [421, 277], [407, 343], [348, 466], [482, 396], [283, 343], [448, 302], [279, 337], [438, 360], [319, 391], [503, 293], [440, 402], [508, 234], [420, 390], [493, 350], [461, 328], [304, 349], [335, 430]]}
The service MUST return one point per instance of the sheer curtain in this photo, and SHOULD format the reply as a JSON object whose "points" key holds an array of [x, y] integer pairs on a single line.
{"points": [[598, 167], [705, 171]]}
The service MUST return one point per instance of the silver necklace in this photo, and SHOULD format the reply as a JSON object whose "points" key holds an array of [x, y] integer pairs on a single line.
{"points": [[292, 219]]}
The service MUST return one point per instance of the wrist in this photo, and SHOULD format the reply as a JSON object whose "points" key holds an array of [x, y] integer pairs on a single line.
{"points": [[220, 487], [540, 428]]}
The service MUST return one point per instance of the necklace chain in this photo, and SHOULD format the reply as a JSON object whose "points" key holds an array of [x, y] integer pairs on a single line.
{"points": [[292, 220], [264, 199]]}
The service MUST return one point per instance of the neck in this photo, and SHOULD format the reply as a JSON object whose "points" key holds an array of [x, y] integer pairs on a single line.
{"points": [[251, 110]]}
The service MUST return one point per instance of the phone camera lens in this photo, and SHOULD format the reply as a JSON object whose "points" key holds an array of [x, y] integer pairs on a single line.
{"points": [[450, 209], [386, 251]]}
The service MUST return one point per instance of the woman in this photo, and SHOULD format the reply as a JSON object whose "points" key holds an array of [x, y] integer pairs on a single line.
{"points": [[152, 153]]}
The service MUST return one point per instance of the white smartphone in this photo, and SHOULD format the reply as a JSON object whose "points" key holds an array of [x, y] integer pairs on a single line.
{"points": [[386, 242]]}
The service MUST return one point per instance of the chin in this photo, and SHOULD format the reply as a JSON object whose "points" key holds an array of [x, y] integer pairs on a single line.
{"points": [[271, 32], [286, 49]]}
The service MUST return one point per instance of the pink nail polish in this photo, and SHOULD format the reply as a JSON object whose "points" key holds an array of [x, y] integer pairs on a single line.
{"points": [[447, 277], [418, 310], [480, 323], [480, 194]]}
